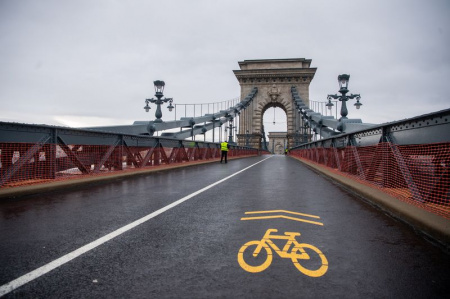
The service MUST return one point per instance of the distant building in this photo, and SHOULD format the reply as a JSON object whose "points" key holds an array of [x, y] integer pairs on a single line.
{"points": [[277, 142]]}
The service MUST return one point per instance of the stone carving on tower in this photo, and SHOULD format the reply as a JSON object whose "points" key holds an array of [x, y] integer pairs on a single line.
{"points": [[274, 92]]}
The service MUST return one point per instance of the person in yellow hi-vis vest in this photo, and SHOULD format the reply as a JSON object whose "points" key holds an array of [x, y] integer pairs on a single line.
{"points": [[224, 146]]}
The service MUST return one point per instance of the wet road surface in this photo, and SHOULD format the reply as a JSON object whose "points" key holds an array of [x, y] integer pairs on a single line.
{"points": [[186, 233]]}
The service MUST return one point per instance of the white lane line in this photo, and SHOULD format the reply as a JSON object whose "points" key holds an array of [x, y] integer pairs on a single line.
{"points": [[18, 282]]}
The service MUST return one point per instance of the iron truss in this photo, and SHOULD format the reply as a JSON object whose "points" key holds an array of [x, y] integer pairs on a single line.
{"points": [[42, 152], [412, 153], [192, 125], [425, 129]]}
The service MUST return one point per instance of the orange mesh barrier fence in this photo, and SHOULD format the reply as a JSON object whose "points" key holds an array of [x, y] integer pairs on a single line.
{"points": [[417, 174], [27, 163]]}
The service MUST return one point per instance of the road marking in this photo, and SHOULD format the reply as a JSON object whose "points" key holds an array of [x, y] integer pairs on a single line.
{"points": [[282, 216], [292, 250], [18, 282], [282, 211]]}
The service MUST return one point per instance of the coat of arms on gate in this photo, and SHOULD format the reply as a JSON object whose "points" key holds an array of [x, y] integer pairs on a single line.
{"points": [[274, 93]]}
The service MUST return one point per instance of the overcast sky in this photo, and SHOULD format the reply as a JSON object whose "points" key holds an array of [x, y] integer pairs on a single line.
{"points": [[93, 62]]}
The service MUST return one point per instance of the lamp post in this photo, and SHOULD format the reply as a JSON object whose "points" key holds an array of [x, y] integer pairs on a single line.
{"points": [[159, 88], [343, 89], [247, 139], [230, 137], [296, 137], [226, 132], [305, 128]]}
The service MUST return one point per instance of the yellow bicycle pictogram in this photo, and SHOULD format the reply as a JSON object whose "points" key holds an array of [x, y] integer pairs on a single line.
{"points": [[292, 250]]}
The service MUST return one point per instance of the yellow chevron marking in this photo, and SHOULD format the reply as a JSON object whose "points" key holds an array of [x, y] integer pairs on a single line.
{"points": [[281, 216], [282, 211]]}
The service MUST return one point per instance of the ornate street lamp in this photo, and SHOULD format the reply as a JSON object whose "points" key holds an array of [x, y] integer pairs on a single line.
{"points": [[343, 89], [226, 132], [296, 137], [159, 88], [230, 137], [247, 138], [305, 132]]}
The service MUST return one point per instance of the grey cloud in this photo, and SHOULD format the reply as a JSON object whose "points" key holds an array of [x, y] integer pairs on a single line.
{"points": [[99, 58]]}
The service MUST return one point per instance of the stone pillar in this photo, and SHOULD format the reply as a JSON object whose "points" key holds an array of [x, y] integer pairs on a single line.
{"points": [[273, 78]]}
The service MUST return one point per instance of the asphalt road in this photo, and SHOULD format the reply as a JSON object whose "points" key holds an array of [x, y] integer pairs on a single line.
{"points": [[185, 233]]}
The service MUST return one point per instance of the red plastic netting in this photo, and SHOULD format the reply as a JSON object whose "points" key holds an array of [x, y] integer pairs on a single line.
{"points": [[417, 174], [25, 164]]}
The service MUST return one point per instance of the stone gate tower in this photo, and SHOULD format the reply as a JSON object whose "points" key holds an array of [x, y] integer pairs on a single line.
{"points": [[273, 78]]}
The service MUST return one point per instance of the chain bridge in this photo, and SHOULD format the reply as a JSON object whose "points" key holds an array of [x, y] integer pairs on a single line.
{"points": [[145, 210]]}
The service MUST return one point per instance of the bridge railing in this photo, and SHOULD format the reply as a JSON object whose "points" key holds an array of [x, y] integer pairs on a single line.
{"points": [[200, 109], [32, 154], [408, 159]]}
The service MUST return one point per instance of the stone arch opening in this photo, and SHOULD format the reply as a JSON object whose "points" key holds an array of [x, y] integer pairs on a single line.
{"points": [[273, 105], [279, 148], [274, 119]]}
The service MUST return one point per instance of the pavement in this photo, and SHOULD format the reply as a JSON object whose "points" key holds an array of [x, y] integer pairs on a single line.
{"points": [[194, 233]]}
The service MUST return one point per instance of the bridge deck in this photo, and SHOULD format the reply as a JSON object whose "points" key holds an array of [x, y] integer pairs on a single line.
{"points": [[190, 246]]}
